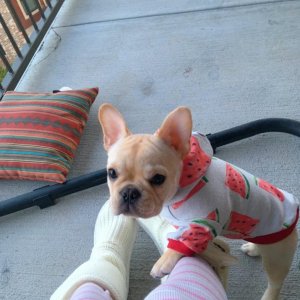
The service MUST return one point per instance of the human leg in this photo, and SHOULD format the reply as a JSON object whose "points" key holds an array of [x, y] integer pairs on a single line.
{"points": [[108, 266], [191, 279], [90, 291]]}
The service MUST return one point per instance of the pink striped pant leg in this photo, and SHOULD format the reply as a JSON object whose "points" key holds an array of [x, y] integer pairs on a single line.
{"points": [[90, 291], [191, 279]]}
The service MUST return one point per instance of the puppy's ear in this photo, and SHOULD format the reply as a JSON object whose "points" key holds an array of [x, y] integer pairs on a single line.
{"points": [[113, 125], [176, 130]]}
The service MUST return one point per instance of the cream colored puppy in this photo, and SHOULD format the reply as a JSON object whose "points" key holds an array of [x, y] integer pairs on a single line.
{"points": [[170, 173]]}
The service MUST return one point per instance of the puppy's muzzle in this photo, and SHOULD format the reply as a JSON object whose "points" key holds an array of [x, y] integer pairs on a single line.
{"points": [[129, 196]]}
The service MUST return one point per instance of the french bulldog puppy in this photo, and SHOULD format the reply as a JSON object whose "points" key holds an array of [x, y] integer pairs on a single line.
{"points": [[173, 173]]}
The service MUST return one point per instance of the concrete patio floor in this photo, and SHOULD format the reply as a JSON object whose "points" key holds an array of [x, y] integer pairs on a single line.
{"points": [[230, 61]]}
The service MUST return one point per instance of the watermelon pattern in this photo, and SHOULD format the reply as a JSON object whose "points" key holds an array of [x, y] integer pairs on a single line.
{"points": [[270, 188], [206, 224], [196, 237], [237, 182], [195, 164], [214, 216], [202, 182], [240, 225]]}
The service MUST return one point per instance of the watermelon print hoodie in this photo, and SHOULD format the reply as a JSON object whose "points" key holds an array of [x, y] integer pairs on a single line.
{"points": [[217, 198]]}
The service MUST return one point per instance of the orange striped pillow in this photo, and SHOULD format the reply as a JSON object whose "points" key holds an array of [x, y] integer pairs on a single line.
{"points": [[40, 132]]}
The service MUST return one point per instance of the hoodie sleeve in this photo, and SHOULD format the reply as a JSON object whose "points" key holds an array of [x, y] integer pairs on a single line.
{"points": [[192, 239]]}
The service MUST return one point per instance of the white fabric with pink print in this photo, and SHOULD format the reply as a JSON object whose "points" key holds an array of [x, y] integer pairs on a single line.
{"points": [[217, 198]]}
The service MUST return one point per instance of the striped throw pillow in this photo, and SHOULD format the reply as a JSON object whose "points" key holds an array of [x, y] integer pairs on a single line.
{"points": [[40, 132]]}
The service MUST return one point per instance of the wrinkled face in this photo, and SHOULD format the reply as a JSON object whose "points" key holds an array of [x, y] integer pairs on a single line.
{"points": [[143, 173]]}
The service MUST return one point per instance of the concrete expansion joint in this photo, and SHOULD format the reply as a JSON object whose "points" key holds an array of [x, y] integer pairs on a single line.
{"points": [[263, 3]]}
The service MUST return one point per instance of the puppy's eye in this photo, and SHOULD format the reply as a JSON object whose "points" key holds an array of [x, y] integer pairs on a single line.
{"points": [[112, 174], [158, 179]]}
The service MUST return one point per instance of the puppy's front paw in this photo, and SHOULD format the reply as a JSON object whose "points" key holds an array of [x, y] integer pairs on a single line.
{"points": [[165, 264], [250, 249]]}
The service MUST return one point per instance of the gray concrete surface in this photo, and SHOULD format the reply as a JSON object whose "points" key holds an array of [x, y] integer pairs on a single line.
{"points": [[230, 61]]}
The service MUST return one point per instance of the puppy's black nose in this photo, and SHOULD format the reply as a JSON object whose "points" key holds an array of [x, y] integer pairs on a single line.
{"points": [[130, 195]]}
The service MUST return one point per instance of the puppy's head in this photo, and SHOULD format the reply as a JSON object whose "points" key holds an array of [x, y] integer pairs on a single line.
{"points": [[144, 170]]}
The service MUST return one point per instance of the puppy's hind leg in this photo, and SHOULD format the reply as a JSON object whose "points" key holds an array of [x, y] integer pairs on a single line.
{"points": [[250, 249], [277, 259]]}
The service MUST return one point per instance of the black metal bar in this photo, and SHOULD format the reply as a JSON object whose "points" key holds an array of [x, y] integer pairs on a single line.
{"points": [[45, 196], [49, 3], [40, 9], [5, 61], [11, 83], [10, 37], [17, 20], [253, 128], [28, 11]]}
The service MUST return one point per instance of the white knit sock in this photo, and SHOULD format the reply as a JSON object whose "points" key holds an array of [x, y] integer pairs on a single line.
{"points": [[108, 265]]}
